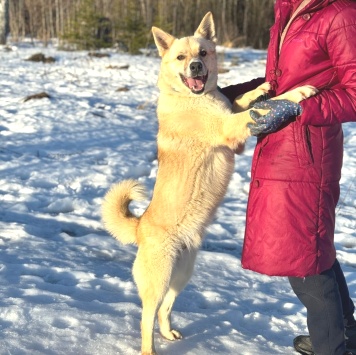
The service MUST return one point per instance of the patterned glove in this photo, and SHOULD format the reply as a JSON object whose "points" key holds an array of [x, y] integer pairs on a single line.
{"points": [[280, 112]]}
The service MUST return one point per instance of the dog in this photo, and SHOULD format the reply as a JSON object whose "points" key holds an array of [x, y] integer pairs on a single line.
{"points": [[197, 136]]}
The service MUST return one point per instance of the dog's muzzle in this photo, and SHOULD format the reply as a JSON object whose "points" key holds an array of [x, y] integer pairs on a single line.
{"points": [[195, 84], [197, 79]]}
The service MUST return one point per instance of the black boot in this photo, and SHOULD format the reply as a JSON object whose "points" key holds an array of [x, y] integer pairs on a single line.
{"points": [[302, 343]]}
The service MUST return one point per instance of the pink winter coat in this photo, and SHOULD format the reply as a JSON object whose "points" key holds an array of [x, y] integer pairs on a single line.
{"points": [[296, 170]]}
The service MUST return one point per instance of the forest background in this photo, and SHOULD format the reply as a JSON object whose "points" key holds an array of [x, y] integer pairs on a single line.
{"points": [[126, 24]]}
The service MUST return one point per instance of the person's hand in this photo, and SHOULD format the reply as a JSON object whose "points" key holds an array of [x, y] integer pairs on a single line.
{"points": [[279, 112]]}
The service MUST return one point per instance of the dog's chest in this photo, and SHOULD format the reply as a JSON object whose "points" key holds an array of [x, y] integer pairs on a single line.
{"points": [[218, 166]]}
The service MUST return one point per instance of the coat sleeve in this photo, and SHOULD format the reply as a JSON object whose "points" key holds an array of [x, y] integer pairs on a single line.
{"points": [[337, 104], [232, 91]]}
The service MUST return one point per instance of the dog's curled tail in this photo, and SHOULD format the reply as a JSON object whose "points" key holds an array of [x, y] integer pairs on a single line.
{"points": [[118, 219]]}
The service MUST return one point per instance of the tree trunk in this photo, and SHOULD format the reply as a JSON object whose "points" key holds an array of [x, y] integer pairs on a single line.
{"points": [[4, 20]]}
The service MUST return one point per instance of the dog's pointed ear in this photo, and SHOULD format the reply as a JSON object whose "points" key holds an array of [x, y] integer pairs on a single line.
{"points": [[206, 28], [162, 39]]}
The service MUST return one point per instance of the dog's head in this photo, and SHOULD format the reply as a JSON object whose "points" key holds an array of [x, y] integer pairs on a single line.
{"points": [[189, 64]]}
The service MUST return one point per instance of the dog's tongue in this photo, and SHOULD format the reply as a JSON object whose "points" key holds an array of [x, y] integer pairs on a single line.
{"points": [[196, 83]]}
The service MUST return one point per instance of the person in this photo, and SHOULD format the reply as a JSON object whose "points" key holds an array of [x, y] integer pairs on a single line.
{"points": [[296, 166]]}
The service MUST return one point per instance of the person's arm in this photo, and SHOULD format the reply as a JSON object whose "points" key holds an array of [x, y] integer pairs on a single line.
{"points": [[232, 91], [337, 104]]}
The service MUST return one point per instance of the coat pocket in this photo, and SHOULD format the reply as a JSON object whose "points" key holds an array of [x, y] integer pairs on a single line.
{"points": [[303, 145]]}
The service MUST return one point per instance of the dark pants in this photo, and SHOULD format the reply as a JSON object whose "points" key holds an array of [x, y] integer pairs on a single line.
{"points": [[321, 296], [348, 306]]}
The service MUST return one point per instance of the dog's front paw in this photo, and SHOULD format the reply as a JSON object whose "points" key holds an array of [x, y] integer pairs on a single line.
{"points": [[303, 92], [245, 101], [263, 88], [308, 91], [172, 334]]}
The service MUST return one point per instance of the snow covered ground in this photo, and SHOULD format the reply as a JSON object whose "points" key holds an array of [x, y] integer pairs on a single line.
{"points": [[65, 284]]}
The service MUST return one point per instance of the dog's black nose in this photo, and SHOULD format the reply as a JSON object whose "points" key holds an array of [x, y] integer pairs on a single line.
{"points": [[196, 68]]}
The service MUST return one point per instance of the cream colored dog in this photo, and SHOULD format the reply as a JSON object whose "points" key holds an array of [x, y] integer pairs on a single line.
{"points": [[197, 136]]}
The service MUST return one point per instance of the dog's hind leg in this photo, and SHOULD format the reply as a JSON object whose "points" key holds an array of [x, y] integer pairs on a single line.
{"points": [[149, 310], [181, 274], [164, 316], [152, 276]]}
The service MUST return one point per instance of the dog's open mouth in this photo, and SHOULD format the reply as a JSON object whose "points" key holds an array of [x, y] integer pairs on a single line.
{"points": [[196, 84]]}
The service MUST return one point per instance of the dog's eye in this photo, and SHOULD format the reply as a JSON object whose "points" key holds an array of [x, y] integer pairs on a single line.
{"points": [[181, 57], [203, 53]]}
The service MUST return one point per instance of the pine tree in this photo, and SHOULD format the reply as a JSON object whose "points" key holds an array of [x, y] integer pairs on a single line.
{"points": [[131, 28], [89, 29]]}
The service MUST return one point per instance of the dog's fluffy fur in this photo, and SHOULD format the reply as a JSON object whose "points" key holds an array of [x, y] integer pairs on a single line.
{"points": [[198, 133]]}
